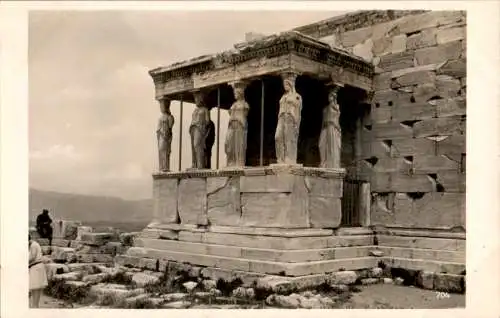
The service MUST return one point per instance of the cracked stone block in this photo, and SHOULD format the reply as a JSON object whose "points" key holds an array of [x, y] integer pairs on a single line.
{"points": [[447, 34], [223, 201]]}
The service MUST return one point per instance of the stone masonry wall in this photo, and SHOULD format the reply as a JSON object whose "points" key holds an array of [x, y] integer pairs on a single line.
{"points": [[413, 140]]}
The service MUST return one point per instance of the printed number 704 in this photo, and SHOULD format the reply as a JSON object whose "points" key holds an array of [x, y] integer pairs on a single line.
{"points": [[442, 295]]}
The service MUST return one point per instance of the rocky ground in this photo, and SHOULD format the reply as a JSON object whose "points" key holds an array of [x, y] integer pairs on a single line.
{"points": [[372, 296], [104, 286]]}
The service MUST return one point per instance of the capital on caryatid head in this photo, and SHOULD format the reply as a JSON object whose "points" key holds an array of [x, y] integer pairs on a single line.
{"points": [[199, 98], [333, 90], [239, 89], [289, 78], [164, 104]]}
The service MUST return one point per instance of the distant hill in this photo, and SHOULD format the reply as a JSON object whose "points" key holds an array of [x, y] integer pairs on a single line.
{"points": [[92, 210]]}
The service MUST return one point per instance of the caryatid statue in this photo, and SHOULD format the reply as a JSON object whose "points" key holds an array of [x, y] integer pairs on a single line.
{"points": [[199, 131], [164, 134], [236, 138], [330, 137], [287, 130]]}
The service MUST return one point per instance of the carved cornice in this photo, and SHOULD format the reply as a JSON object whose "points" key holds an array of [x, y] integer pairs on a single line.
{"points": [[252, 171], [274, 46]]}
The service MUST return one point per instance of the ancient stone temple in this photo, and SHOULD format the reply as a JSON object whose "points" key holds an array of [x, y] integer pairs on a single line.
{"points": [[345, 147]]}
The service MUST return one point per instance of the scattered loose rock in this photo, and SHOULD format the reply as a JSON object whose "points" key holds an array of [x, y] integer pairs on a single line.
{"points": [[177, 304], [344, 277], [143, 279], [190, 286]]}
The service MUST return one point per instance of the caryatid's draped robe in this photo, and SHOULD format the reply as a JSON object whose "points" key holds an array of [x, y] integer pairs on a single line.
{"points": [[199, 130], [287, 130], [164, 135], [236, 138], [330, 137]]}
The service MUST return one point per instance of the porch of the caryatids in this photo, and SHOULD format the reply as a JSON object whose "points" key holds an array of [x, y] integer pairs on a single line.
{"points": [[288, 126], [236, 139], [200, 131], [164, 134], [331, 135]]}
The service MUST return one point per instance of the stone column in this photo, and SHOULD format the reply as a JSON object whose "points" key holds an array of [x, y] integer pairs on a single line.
{"points": [[199, 130], [164, 135], [289, 116], [236, 139], [331, 137]]}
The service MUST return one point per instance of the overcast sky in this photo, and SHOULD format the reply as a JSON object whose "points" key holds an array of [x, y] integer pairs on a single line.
{"points": [[92, 113]]}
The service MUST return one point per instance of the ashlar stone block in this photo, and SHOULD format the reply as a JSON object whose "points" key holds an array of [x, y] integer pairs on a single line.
{"points": [[400, 182], [452, 181], [364, 50], [428, 164], [192, 201], [447, 34], [392, 130], [454, 68], [450, 106], [412, 147], [165, 200], [416, 111], [415, 78], [451, 145], [445, 126], [447, 86], [439, 54], [399, 43], [392, 165], [397, 61], [281, 182], [223, 201], [270, 210], [326, 187], [351, 38], [440, 209], [423, 39], [381, 114]]}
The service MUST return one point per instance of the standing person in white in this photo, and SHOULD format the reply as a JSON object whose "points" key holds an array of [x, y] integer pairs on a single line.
{"points": [[38, 275]]}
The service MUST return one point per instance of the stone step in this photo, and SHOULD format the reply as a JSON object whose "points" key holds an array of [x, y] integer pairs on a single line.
{"points": [[287, 256], [248, 265], [423, 253], [244, 230], [278, 243], [422, 242], [426, 265]]}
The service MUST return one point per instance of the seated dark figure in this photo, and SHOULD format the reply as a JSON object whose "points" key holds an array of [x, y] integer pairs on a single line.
{"points": [[43, 225]]}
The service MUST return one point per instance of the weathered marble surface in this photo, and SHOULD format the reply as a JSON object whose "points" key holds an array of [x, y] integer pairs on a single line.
{"points": [[193, 201], [285, 199], [165, 200], [223, 201]]}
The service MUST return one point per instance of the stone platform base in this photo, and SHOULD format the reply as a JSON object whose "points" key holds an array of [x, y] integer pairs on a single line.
{"points": [[302, 257]]}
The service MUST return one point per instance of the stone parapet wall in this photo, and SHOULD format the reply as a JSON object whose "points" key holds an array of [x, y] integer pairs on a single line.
{"points": [[413, 141], [268, 198]]}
